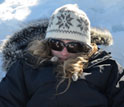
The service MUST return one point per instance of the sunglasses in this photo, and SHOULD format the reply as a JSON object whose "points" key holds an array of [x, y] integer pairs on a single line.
{"points": [[72, 47]]}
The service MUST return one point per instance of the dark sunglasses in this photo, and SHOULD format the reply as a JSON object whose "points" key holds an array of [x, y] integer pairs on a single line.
{"points": [[72, 47]]}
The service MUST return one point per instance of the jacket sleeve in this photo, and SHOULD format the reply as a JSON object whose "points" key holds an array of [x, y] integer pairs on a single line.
{"points": [[116, 86], [12, 87], [118, 100]]}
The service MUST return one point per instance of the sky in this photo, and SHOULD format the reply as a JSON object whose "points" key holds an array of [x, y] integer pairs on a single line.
{"points": [[108, 14]]}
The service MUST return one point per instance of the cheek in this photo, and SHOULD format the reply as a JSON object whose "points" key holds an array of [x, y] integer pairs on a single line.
{"points": [[71, 54], [59, 54], [56, 53]]}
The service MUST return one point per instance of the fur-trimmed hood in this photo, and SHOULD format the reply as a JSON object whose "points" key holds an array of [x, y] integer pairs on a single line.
{"points": [[13, 47]]}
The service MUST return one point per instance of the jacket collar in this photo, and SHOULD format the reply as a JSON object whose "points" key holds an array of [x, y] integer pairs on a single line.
{"points": [[99, 57]]}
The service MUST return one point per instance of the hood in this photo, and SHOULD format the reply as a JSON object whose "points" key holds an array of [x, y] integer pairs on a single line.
{"points": [[13, 47], [101, 37]]}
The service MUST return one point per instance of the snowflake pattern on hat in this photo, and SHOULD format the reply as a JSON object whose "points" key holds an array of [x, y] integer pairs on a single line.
{"points": [[51, 21], [82, 24], [64, 20]]}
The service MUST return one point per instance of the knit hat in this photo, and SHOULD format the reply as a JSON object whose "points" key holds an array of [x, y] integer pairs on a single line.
{"points": [[69, 22]]}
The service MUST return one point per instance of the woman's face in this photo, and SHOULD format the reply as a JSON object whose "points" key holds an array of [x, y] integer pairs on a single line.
{"points": [[64, 54]]}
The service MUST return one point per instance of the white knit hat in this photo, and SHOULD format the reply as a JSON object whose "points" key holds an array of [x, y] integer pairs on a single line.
{"points": [[69, 22]]}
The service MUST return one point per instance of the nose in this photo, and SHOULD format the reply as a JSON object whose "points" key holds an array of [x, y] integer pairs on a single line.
{"points": [[64, 52]]}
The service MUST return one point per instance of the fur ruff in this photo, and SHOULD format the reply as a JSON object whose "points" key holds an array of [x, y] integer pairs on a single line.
{"points": [[13, 47], [101, 37]]}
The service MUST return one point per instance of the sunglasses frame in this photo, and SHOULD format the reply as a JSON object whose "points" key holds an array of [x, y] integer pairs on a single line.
{"points": [[84, 47]]}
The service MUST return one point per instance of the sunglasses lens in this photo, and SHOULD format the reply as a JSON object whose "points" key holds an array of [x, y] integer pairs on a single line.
{"points": [[73, 47], [56, 44], [76, 47]]}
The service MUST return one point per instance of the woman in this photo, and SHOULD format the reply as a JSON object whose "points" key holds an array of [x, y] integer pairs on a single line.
{"points": [[63, 69]]}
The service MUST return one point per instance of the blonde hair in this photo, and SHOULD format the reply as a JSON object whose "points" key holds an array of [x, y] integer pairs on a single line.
{"points": [[71, 68]]}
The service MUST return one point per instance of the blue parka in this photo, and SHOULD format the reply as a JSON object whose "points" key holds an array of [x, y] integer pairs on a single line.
{"points": [[28, 86], [102, 86]]}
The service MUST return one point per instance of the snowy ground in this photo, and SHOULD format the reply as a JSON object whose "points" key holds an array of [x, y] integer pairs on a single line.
{"points": [[107, 14]]}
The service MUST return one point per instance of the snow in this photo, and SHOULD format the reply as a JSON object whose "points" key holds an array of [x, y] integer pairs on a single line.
{"points": [[107, 14]]}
